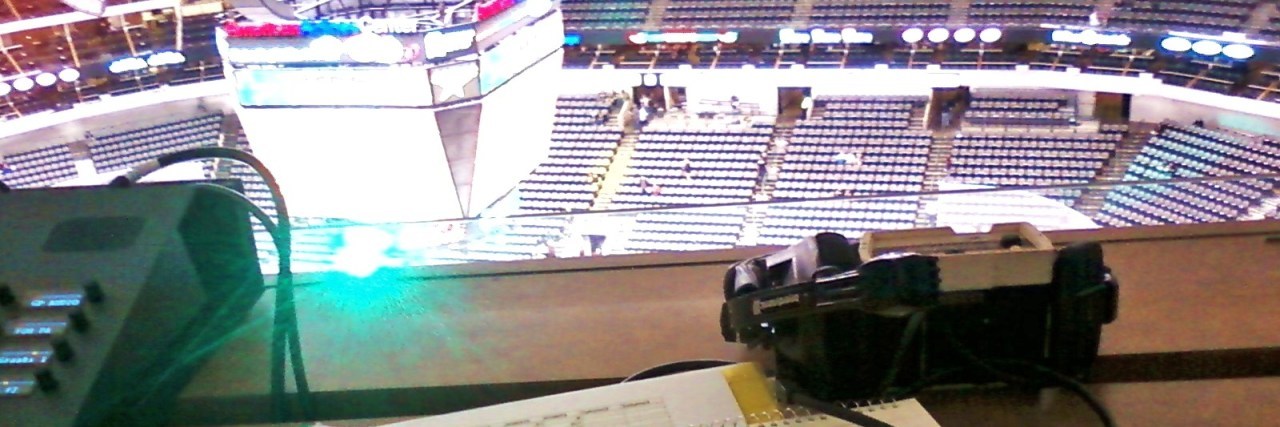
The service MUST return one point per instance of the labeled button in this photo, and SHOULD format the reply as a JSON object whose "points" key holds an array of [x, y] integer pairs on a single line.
{"points": [[24, 357], [16, 387], [55, 301], [34, 328]]}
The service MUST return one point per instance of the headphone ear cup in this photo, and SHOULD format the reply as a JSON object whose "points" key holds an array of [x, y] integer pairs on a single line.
{"points": [[834, 250], [1077, 314], [741, 279]]}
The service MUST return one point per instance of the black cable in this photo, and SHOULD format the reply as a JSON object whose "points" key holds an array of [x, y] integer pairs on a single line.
{"points": [[1062, 380], [908, 335], [676, 368], [1068, 383], [837, 411], [284, 335]]}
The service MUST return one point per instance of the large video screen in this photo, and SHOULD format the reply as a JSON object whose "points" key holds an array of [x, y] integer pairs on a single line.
{"points": [[519, 51], [334, 87]]}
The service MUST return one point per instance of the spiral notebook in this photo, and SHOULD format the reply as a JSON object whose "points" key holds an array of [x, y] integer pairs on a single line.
{"points": [[898, 413], [730, 396]]}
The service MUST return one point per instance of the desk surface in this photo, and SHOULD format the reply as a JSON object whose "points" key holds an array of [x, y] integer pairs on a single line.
{"points": [[452, 338]]}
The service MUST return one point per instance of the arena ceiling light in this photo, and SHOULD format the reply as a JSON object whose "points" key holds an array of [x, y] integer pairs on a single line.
{"points": [[1206, 47], [5, 88], [46, 79], [965, 35], [939, 35], [69, 75], [24, 84], [913, 35], [990, 35], [1176, 44], [1238, 51]]}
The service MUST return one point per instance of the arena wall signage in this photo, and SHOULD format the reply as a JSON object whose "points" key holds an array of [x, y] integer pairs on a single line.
{"points": [[1090, 38], [823, 36], [683, 37], [447, 42], [142, 62]]}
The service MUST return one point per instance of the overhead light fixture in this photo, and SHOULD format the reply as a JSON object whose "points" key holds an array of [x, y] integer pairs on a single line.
{"points": [[1176, 44], [5, 88], [24, 84], [939, 35], [1206, 47], [69, 75], [990, 35], [1238, 51], [46, 79], [965, 35], [913, 35], [748, 66], [797, 66]]}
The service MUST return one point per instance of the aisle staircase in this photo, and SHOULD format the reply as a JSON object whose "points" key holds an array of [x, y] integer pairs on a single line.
{"points": [[801, 14], [777, 153], [1259, 19], [1266, 208], [231, 136], [934, 172], [657, 10], [959, 13], [1126, 151], [620, 163]]}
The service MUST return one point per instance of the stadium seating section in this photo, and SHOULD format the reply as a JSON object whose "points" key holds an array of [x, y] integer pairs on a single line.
{"points": [[718, 13], [879, 12], [858, 146], [39, 168], [1187, 152], [591, 14], [692, 166], [117, 151]]}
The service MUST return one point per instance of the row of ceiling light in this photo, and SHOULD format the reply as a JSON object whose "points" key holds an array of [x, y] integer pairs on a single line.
{"points": [[962, 35], [45, 79], [1208, 47]]}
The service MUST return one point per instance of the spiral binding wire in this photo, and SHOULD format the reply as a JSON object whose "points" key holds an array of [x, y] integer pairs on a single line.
{"points": [[790, 416]]}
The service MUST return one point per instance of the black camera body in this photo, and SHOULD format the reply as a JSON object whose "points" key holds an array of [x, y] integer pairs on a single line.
{"points": [[903, 310]]}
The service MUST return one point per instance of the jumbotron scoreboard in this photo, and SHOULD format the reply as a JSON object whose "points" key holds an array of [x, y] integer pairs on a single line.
{"points": [[398, 120]]}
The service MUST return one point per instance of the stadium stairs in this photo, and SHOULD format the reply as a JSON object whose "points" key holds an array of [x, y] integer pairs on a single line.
{"points": [[783, 128], [657, 10], [959, 13], [616, 173], [1266, 208], [935, 171], [1259, 19], [801, 14], [1126, 151]]}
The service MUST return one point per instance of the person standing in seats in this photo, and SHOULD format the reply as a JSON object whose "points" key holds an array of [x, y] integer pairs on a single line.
{"points": [[687, 169]]}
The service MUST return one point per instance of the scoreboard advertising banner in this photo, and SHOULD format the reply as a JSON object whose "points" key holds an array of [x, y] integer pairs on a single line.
{"points": [[387, 62], [304, 44]]}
